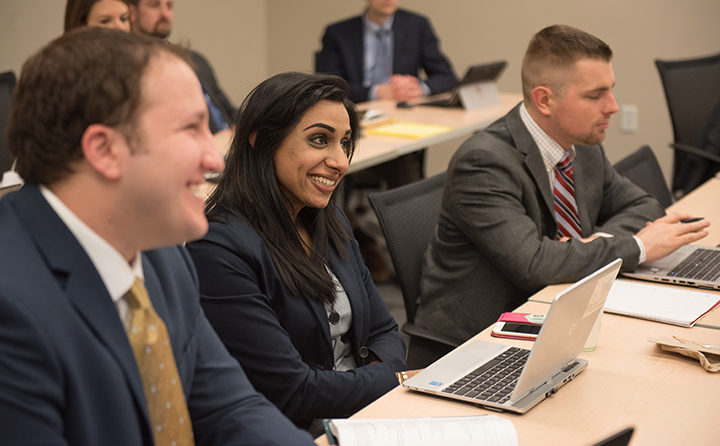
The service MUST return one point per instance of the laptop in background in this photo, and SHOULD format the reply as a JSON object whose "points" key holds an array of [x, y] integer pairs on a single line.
{"points": [[501, 377], [691, 265], [7, 189], [475, 74]]}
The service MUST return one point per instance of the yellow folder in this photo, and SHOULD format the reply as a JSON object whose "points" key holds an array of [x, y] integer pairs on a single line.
{"points": [[413, 130]]}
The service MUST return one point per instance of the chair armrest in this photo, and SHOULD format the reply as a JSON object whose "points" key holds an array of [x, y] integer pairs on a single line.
{"points": [[414, 330], [696, 151]]}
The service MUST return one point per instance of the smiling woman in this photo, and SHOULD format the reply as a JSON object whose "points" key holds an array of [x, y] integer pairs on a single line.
{"points": [[281, 278], [100, 13]]}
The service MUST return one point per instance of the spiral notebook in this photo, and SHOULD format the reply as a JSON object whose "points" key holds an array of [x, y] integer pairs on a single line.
{"points": [[667, 304]]}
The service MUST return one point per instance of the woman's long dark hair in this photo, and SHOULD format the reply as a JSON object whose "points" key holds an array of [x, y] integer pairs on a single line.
{"points": [[248, 188]]}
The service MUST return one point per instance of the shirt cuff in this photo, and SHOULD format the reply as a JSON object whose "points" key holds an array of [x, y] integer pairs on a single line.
{"points": [[372, 93], [643, 256], [425, 89]]}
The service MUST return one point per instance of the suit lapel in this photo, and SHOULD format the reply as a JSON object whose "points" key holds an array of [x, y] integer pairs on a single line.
{"points": [[533, 159], [82, 284], [580, 173], [399, 33], [357, 46]]}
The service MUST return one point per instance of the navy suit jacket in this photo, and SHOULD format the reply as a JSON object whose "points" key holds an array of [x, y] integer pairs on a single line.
{"points": [[210, 85], [283, 341], [416, 47], [67, 372]]}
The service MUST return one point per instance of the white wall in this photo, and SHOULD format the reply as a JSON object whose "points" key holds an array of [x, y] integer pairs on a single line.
{"points": [[473, 31], [232, 34], [249, 40]]}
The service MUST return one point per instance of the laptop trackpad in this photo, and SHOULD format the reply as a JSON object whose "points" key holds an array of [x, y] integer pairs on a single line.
{"points": [[468, 356]]}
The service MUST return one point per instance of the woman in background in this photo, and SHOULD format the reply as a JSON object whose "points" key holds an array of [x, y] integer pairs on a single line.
{"points": [[101, 13], [281, 277]]}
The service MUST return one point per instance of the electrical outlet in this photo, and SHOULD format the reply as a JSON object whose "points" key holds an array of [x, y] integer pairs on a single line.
{"points": [[628, 118]]}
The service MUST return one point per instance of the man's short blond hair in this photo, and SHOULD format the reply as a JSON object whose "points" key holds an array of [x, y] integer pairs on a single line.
{"points": [[552, 54]]}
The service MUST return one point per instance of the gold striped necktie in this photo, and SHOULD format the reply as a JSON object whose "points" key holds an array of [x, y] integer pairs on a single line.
{"points": [[150, 343]]}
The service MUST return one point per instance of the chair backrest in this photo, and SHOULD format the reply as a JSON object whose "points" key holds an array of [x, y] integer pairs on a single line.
{"points": [[7, 86], [692, 90], [408, 216], [643, 169]]}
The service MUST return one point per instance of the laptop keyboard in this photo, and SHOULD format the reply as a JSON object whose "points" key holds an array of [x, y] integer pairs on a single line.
{"points": [[703, 264], [495, 380]]}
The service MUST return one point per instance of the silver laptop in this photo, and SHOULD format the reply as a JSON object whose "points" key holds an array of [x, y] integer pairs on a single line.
{"points": [[691, 265], [501, 377], [475, 74]]}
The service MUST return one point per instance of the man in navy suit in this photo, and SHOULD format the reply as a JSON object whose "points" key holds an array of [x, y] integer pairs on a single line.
{"points": [[111, 135], [381, 53], [155, 18]]}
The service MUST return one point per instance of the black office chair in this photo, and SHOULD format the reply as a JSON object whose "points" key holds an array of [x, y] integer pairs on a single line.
{"points": [[692, 90], [7, 86], [408, 216], [643, 169]]}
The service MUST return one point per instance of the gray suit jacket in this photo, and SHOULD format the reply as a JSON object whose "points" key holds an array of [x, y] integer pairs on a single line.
{"points": [[495, 244]]}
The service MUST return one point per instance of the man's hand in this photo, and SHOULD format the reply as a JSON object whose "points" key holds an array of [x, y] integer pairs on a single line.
{"points": [[405, 87], [384, 91], [666, 234]]}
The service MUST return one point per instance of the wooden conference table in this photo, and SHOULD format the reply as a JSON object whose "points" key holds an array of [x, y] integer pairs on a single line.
{"points": [[701, 202], [668, 398], [373, 150]]}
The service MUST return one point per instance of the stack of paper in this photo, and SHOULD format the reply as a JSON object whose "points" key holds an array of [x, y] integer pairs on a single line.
{"points": [[488, 430], [668, 304]]}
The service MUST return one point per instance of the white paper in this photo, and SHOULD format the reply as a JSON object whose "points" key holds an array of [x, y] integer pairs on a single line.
{"points": [[486, 430], [668, 304]]}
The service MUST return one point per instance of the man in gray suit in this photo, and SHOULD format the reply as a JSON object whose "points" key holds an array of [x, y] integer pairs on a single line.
{"points": [[512, 223]]}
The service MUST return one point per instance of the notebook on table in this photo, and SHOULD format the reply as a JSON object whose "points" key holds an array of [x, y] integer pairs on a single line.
{"points": [[501, 377], [691, 265]]}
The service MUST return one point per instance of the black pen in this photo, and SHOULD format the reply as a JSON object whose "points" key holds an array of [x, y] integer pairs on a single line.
{"points": [[691, 220]]}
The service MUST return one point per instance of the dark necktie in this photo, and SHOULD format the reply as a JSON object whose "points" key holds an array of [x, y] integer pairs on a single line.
{"points": [[383, 63], [566, 212], [150, 343]]}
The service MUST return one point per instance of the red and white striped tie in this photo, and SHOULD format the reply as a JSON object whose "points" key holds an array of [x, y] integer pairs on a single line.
{"points": [[566, 212]]}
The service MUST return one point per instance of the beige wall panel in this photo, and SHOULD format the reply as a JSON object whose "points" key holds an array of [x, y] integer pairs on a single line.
{"points": [[25, 27], [473, 31], [249, 40], [231, 33]]}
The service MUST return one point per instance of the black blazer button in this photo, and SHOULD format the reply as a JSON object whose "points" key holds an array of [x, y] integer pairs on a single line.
{"points": [[364, 352], [334, 317]]}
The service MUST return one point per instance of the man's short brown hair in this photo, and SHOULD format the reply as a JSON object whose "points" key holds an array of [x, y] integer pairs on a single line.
{"points": [[552, 53], [88, 76]]}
